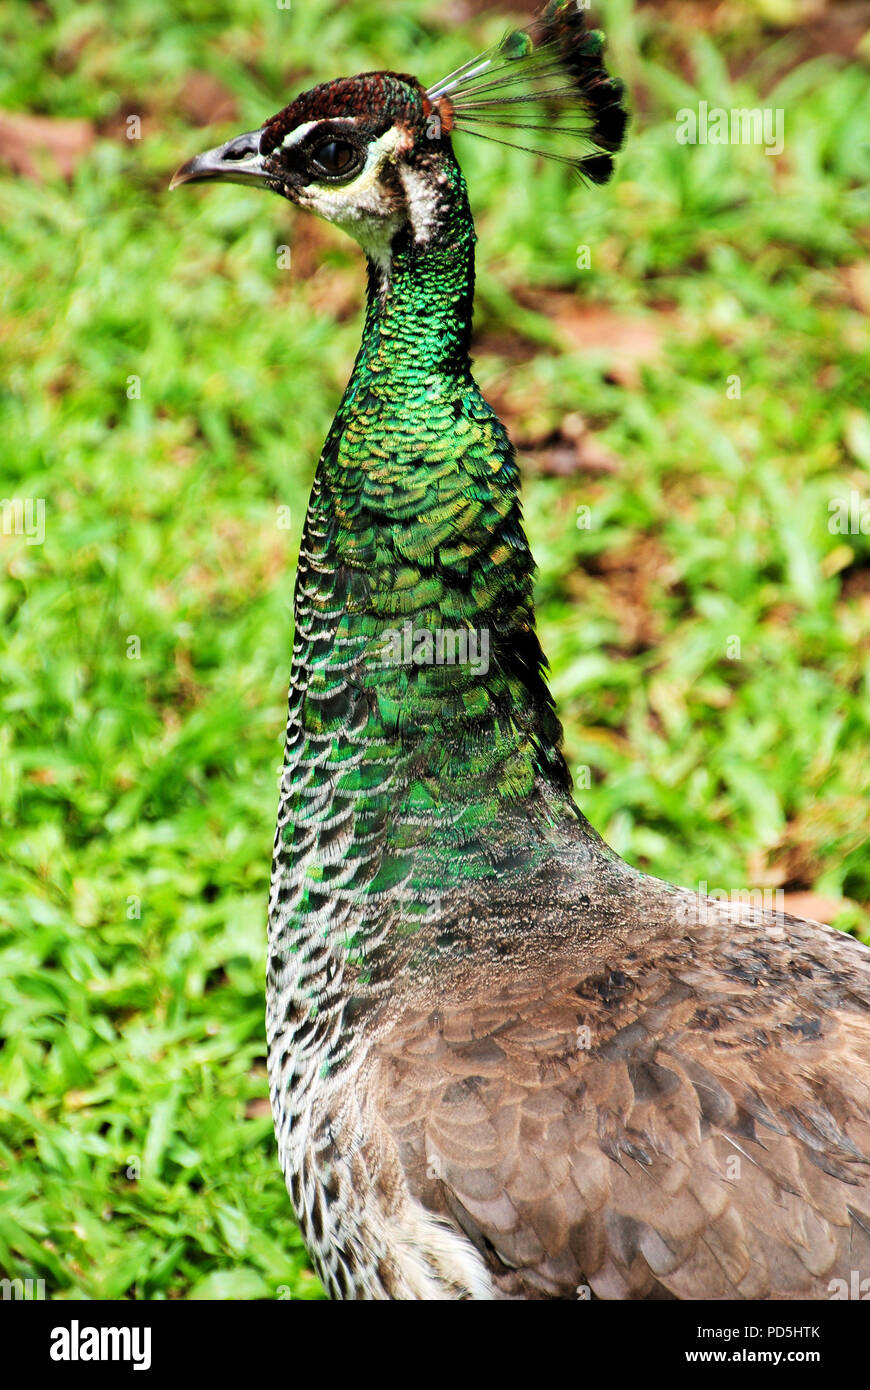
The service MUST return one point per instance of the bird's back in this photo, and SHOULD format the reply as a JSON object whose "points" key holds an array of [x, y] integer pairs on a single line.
{"points": [[637, 1093]]}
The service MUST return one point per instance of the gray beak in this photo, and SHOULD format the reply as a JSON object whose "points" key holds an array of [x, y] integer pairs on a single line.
{"points": [[238, 161]]}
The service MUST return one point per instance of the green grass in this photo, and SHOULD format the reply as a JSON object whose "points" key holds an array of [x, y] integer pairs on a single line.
{"points": [[137, 796]]}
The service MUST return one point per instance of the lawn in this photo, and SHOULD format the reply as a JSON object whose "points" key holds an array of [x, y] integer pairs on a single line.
{"points": [[682, 358]]}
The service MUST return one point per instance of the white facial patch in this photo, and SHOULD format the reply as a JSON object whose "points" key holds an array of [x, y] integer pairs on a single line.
{"points": [[362, 208], [298, 134]]}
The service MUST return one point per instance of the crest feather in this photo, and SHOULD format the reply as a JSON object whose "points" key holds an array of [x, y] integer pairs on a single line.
{"points": [[548, 77]]}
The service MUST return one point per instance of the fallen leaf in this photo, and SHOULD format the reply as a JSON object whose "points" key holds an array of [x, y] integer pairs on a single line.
{"points": [[336, 293], [812, 905], [591, 455], [258, 1108], [557, 461], [807, 844], [632, 575], [26, 140], [621, 342], [625, 343], [856, 585], [856, 280], [206, 101], [43, 776]]}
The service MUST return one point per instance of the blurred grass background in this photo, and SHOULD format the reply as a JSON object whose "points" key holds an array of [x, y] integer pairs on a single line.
{"points": [[137, 796]]}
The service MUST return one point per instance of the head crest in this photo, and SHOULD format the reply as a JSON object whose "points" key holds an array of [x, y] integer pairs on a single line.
{"points": [[547, 77]]}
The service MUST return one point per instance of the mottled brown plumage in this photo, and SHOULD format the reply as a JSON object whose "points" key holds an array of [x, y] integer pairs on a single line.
{"points": [[659, 1096], [712, 1141]]}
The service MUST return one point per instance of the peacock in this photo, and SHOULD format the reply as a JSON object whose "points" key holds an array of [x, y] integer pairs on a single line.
{"points": [[503, 1062]]}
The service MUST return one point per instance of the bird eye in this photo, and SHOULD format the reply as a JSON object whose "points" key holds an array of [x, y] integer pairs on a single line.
{"points": [[335, 157]]}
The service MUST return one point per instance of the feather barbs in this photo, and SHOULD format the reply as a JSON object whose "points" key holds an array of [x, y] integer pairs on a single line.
{"points": [[548, 77]]}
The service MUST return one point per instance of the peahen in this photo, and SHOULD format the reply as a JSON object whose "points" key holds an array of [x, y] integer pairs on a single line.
{"points": [[504, 1063]]}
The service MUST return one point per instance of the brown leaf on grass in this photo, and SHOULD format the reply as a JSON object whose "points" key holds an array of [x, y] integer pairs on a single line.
{"points": [[856, 283], [810, 842], [339, 294], [311, 241], [28, 142], [557, 460], [43, 776], [813, 26], [632, 576], [812, 905], [206, 101], [513, 347], [118, 124], [258, 1108], [592, 455], [626, 344], [622, 343], [574, 450], [334, 289]]}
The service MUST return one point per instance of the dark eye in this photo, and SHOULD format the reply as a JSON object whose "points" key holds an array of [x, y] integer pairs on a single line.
{"points": [[335, 157]]}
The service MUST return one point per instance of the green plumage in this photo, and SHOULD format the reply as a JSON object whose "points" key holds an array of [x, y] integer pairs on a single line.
{"points": [[413, 529]]}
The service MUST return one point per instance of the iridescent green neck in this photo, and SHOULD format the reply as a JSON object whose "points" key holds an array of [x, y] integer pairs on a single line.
{"points": [[422, 743], [420, 304], [420, 488]]}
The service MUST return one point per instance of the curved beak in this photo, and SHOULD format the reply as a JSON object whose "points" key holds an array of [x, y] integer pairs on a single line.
{"points": [[238, 161]]}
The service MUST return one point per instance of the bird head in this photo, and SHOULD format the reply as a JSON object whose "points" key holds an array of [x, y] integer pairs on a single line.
{"points": [[373, 153], [368, 153]]}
